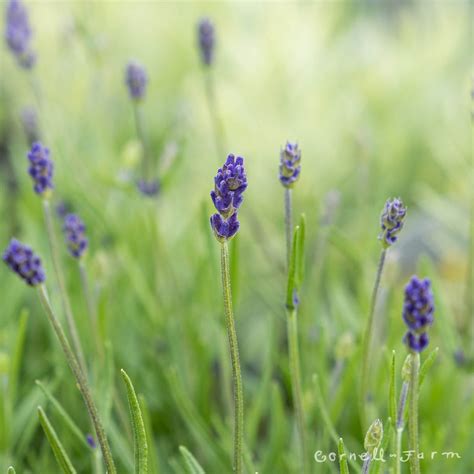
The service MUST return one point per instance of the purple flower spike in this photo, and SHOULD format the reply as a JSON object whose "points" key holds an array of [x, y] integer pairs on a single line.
{"points": [[290, 164], [74, 230], [136, 80], [18, 34], [418, 310], [41, 168], [21, 259], [206, 39], [391, 221], [148, 188], [229, 184]]}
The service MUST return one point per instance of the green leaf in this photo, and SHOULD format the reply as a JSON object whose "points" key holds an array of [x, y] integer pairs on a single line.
{"points": [[343, 467], [292, 284], [17, 355], [68, 421], [300, 251], [152, 456], [392, 391], [11, 470], [193, 466], [426, 366], [58, 449], [139, 434]]}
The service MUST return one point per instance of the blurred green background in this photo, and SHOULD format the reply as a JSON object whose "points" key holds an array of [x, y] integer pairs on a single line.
{"points": [[377, 96]]}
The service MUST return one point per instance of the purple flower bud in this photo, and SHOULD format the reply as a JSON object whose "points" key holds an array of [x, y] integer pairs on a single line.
{"points": [[391, 221], [18, 34], [75, 232], [418, 310], [21, 259], [41, 168], [29, 121], [90, 441], [290, 164], [229, 184], [136, 80], [62, 209], [206, 39], [148, 188]]}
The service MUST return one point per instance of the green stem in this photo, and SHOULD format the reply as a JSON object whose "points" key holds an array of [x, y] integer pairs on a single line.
{"points": [[234, 355], [214, 113], [400, 425], [367, 339], [413, 413], [71, 323], [295, 374], [288, 224], [80, 379], [138, 117]]}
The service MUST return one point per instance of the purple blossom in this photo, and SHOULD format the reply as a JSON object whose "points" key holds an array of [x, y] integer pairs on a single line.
{"points": [[41, 168], [21, 259], [391, 221], [18, 34], [90, 441], [229, 184], [75, 232], [148, 188], [290, 164], [418, 310], [206, 39], [136, 80]]}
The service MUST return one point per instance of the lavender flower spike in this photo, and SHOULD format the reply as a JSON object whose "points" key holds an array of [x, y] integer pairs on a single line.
{"points": [[230, 183], [18, 34], [290, 164], [418, 312], [74, 230], [391, 221], [41, 169], [136, 79], [22, 260], [148, 188], [206, 39]]}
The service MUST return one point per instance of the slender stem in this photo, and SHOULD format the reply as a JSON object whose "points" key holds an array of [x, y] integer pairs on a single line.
{"points": [[91, 307], [367, 339], [400, 425], [295, 374], [288, 224], [413, 413], [80, 379], [234, 355], [214, 112], [366, 465], [71, 323], [138, 116]]}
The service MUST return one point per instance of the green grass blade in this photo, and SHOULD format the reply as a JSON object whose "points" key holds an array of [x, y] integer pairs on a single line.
{"points": [[392, 391], [17, 355], [292, 283], [429, 361], [343, 467], [58, 449], [68, 421], [139, 433], [153, 463], [193, 466], [300, 250]]}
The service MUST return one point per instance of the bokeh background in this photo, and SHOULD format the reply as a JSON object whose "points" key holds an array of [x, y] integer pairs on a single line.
{"points": [[377, 94]]}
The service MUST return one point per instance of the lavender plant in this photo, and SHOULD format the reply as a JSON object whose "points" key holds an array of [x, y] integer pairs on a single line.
{"points": [[372, 441], [227, 196], [41, 171], [27, 265], [290, 168], [391, 223], [18, 34], [136, 79], [418, 310]]}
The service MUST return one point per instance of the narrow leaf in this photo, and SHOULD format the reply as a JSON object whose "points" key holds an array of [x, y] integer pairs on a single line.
{"points": [[343, 467], [68, 421], [139, 434], [300, 250], [193, 466], [292, 270], [392, 391], [426, 366], [58, 449], [152, 456], [17, 354]]}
